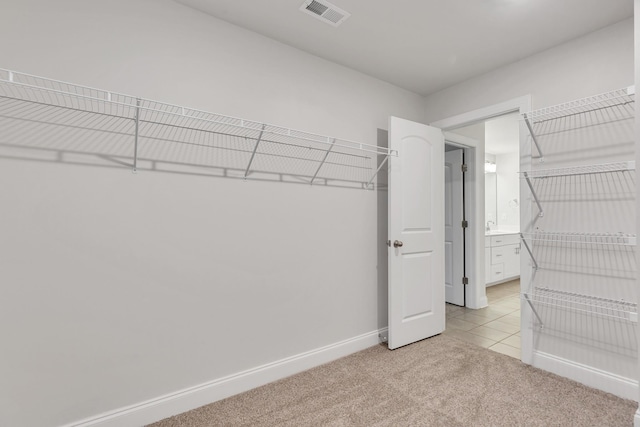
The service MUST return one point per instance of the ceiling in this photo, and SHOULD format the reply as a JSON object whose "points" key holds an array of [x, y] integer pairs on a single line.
{"points": [[423, 45]]}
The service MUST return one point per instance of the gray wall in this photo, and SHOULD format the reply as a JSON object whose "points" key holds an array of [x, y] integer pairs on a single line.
{"points": [[636, 13], [596, 63], [117, 288]]}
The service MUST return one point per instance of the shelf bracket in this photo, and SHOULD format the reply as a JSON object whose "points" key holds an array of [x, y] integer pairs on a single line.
{"points": [[533, 192], [253, 154], [326, 154], [135, 142], [533, 309], [533, 137], [377, 170], [526, 245]]}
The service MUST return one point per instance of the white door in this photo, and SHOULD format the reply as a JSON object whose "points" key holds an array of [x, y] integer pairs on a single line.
{"points": [[453, 231], [416, 232]]}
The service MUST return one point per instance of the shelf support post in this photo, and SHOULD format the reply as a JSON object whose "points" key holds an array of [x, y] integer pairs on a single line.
{"points": [[253, 154], [326, 154], [377, 170], [533, 136], [533, 192], [533, 309], [526, 245], [135, 142]]}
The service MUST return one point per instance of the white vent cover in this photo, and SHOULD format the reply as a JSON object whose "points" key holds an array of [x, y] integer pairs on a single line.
{"points": [[325, 11]]}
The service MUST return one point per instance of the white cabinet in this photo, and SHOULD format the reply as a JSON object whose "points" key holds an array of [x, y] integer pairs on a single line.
{"points": [[502, 258]]}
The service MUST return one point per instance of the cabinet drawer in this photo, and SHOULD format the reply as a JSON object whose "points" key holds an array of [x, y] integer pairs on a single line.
{"points": [[502, 254], [497, 272], [505, 239]]}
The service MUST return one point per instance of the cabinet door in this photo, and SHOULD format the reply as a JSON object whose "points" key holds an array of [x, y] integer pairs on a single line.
{"points": [[497, 272], [511, 261]]}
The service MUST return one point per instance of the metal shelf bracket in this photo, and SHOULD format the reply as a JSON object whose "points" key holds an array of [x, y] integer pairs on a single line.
{"points": [[253, 154], [526, 245], [135, 141], [533, 192], [533, 136], [386, 157], [533, 309], [324, 159]]}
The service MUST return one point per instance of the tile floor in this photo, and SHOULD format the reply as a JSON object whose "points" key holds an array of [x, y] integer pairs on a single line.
{"points": [[496, 327]]}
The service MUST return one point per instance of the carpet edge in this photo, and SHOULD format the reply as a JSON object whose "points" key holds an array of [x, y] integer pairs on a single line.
{"points": [[194, 397]]}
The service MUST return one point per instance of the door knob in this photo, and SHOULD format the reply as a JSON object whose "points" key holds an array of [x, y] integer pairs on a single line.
{"points": [[397, 244]]}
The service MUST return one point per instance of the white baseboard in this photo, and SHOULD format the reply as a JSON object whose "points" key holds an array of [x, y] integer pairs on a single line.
{"points": [[193, 397], [636, 419], [589, 376]]}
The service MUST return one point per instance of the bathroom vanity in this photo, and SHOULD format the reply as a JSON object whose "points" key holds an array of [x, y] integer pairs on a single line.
{"points": [[501, 256]]}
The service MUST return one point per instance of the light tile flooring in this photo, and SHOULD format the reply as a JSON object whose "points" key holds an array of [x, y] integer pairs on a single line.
{"points": [[496, 327]]}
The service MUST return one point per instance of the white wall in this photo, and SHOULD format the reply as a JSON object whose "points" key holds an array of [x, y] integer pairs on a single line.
{"points": [[636, 14], [596, 63], [599, 62], [117, 288]]}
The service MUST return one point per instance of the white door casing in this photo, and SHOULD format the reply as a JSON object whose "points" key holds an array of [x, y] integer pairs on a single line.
{"points": [[416, 223], [453, 231]]}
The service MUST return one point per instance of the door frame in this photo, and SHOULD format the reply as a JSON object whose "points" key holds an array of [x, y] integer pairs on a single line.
{"points": [[476, 291], [469, 146]]}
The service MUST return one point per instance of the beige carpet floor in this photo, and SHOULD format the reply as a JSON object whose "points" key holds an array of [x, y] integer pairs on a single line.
{"points": [[441, 381]]}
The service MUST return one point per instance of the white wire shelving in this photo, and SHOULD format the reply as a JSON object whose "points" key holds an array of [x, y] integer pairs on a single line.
{"points": [[147, 124], [607, 239], [615, 167], [619, 99], [596, 306], [576, 239], [554, 125], [581, 170], [600, 101]]}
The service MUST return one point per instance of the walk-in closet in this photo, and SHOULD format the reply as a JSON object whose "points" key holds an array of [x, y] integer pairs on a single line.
{"points": [[234, 212]]}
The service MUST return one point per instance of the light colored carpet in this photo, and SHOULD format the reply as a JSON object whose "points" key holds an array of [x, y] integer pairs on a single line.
{"points": [[436, 382]]}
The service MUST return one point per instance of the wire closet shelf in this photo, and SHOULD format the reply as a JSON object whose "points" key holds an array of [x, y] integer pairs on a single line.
{"points": [[601, 307], [581, 170], [615, 98], [607, 239], [617, 167], [257, 147], [617, 104]]}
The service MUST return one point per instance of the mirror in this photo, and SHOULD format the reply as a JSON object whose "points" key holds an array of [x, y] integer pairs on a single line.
{"points": [[490, 195]]}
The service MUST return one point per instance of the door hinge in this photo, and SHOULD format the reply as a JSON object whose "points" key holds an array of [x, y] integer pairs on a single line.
{"points": [[465, 224], [465, 280], [464, 167]]}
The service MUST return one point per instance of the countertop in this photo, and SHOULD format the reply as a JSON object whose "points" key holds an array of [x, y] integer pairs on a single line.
{"points": [[500, 232]]}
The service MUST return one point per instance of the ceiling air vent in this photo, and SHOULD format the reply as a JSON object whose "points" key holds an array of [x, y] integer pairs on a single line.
{"points": [[325, 11]]}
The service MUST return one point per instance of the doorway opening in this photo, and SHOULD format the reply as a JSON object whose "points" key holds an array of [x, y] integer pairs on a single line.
{"points": [[497, 325]]}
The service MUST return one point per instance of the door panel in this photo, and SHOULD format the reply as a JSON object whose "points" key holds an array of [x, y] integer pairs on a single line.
{"points": [[454, 241], [416, 219], [416, 206], [421, 303]]}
